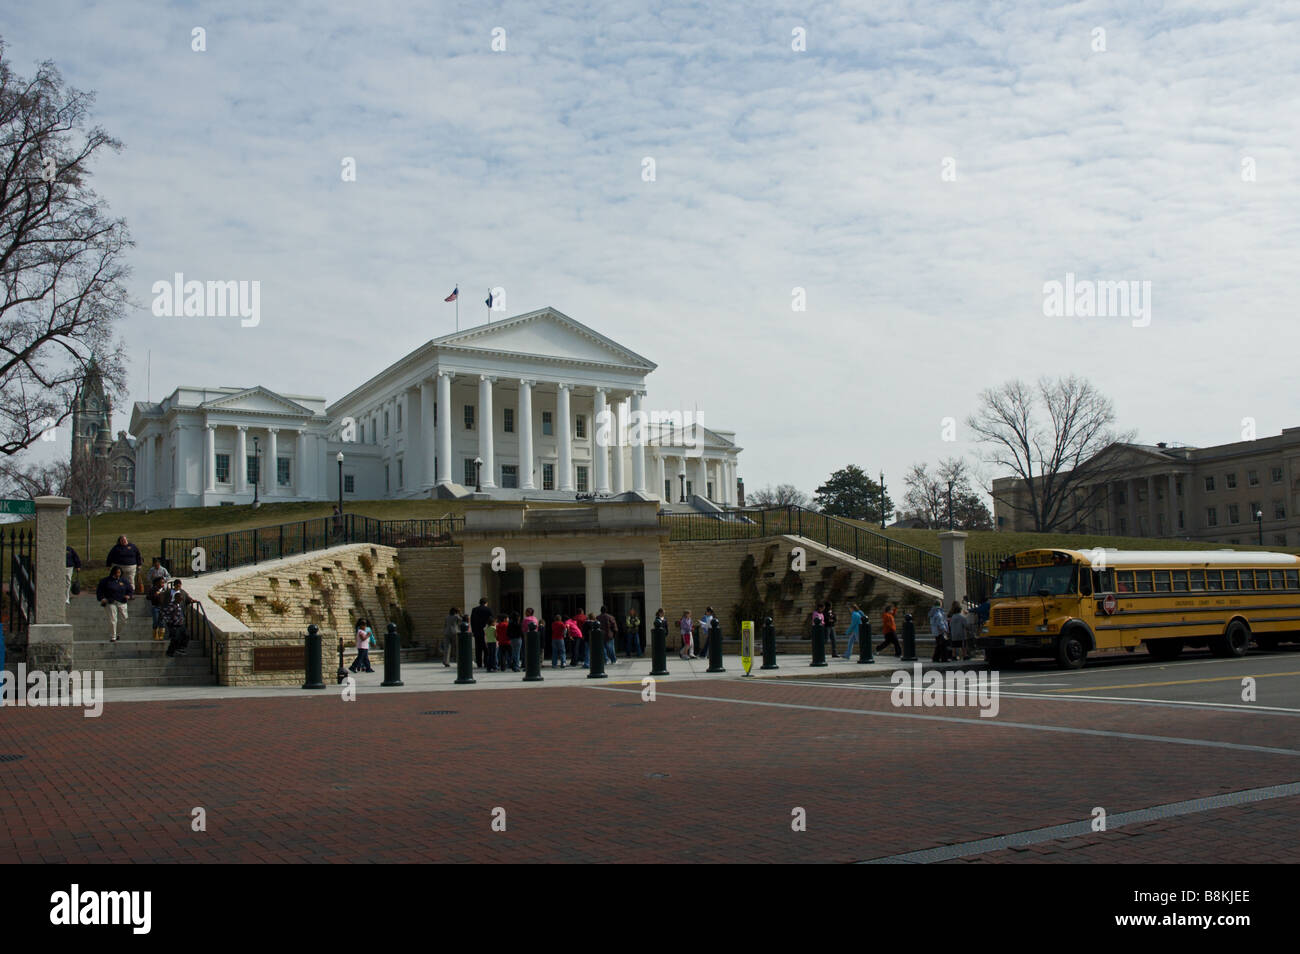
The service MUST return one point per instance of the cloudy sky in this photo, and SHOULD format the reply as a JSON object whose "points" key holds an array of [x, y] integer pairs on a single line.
{"points": [[920, 170]]}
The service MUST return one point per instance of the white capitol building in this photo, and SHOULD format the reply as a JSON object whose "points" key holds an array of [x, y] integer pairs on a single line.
{"points": [[537, 406]]}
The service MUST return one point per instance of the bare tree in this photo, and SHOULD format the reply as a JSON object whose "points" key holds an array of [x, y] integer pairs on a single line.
{"points": [[1051, 437], [89, 486], [782, 495], [33, 480], [60, 255], [927, 496]]}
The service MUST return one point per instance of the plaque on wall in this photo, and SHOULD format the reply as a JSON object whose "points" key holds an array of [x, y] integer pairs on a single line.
{"points": [[279, 658]]}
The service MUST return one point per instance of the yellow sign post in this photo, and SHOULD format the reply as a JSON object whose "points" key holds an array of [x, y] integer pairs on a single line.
{"points": [[747, 645]]}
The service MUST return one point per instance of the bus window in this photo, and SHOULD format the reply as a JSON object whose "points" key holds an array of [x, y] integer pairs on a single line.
{"points": [[1124, 581], [1293, 579], [1275, 578], [1230, 579], [1162, 581], [1085, 582], [1180, 581], [1144, 581], [1247, 580], [1198, 580], [1103, 581], [1213, 580]]}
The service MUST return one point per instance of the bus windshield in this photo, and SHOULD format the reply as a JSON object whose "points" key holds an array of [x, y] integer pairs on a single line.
{"points": [[1030, 580]]}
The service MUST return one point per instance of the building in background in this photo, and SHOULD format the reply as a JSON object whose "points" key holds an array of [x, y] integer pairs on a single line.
{"points": [[1212, 494], [536, 407], [93, 441]]}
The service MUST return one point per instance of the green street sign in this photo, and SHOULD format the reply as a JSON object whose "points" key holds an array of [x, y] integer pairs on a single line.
{"points": [[17, 506]]}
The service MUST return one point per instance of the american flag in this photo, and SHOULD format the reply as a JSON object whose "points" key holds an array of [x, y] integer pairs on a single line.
{"points": [[454, 293]]}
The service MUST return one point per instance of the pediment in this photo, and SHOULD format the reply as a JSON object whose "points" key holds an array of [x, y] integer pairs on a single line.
{"points": [[546, 333], [257, 400]]}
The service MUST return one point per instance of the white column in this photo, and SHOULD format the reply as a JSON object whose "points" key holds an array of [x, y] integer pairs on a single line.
{"points": [[595, 586], [661, 473], [210, 462], [616, 482], [300, 472], [241, 460], [564, 438], [428, 448], [272, 459], [638, 446], [444, 427], [485, 423], [702, 477], [525, 425], [679, 485], [600, 442], [533, 588]]}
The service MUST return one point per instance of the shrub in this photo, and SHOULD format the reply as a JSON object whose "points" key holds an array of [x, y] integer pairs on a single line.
{"points": [[316, 580], [234, 607], [279, 607], [367, 564]]}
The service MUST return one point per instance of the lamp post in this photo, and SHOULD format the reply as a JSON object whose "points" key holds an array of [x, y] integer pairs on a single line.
{"points": [[950, 506], [882, 500], [257, 470], [478, 475], [682, 479], [1259, 519]]}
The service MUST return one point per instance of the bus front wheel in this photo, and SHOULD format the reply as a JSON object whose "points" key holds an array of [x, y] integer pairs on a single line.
{"points": [[1234, 641], [1070, 651]]}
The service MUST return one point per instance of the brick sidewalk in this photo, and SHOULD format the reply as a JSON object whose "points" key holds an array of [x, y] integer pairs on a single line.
{"points": [[588, 775]]}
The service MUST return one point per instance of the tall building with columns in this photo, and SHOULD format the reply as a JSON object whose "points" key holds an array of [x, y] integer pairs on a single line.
{"points": [[1231, 493], [537, 407]]}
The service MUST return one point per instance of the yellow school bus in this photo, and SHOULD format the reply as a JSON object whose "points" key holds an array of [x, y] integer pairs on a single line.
{"points": [[1064, 604]]}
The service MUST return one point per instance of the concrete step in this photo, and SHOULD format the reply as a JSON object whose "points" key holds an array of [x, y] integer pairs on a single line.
{"points": [[137, 682], [129, 649]]}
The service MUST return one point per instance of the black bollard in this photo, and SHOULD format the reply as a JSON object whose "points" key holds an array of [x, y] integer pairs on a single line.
{"points": [[392, 657], [864, 642], [715, 647], [465, 655], [769, 645], [532, 654], [342, 674], [909, 639], [819, 645], [596, 650], [314, 680], [659, 649]]}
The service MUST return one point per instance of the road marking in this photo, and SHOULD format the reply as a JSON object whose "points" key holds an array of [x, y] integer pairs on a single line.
{"points": [[1068, 730], [1037, 836], [1043, 697], [1180, 682]]}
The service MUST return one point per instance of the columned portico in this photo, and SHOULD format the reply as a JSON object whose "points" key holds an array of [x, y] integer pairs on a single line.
{"points": [[444, 427], [525, 426], [564, 438], [428, 440], [600, 441], [485, 425]]}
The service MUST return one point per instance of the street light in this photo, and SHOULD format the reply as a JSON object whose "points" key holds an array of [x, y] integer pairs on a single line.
{"points": [[339, 458], [1259, 519], [478, 475], [257, 470], [882, 500], [950, 506]]}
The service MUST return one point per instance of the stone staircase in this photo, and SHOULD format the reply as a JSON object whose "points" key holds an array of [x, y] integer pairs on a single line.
{"points": [[136, 659]]}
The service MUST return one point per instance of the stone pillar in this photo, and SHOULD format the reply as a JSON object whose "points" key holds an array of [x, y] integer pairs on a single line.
{"points": [[428, 445], [564, 438], [300, 472], [525, 425], [49, 638], [444, 428], [1112, 510], [272, 482], [952, 544], [485, 424], [241, 460], [616, 482], [638, 445], [595, 585], [143, 471], [702, 477], [653, 588], [533, 594], [1171, 508], [1130, 489], [600, 443], [661, 475], [210, 461], [474, 589]]}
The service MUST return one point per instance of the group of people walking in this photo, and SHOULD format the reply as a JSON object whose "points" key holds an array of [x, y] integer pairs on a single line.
{"points": [[499, 637], [167, 599]]}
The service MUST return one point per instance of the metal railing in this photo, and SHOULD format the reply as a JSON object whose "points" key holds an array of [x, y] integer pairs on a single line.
{"points": [[833, 532], [226, 551], [198, 628], [18, 601]]}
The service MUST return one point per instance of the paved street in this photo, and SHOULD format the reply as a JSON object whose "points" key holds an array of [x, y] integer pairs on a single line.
{"points": [[713, 770]]}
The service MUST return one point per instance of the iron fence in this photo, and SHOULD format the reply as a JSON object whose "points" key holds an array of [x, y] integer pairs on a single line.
{"points": [[18, 599]]}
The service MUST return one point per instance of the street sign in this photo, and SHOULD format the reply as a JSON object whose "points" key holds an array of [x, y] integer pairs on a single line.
{"points": [[9, 505], [747, 645]]}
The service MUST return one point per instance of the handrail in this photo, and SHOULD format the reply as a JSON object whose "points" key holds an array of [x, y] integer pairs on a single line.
{"points": [[192, 611]]}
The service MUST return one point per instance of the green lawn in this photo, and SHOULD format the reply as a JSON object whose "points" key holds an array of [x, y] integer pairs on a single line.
{"points": [[146, 530]]}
